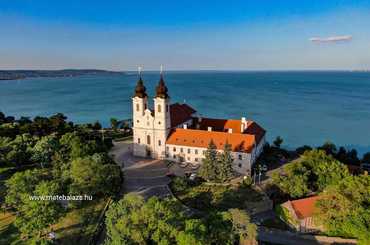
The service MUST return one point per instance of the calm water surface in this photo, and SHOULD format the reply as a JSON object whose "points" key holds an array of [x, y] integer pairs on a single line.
{"points": [[302, 107]]}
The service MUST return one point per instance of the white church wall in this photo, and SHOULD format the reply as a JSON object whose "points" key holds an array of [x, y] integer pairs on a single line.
{"points": [[241, 164]]}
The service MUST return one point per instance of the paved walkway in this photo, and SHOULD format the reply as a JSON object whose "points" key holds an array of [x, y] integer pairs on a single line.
{"points": [[144, 176], [281, 237], [275, 236]]}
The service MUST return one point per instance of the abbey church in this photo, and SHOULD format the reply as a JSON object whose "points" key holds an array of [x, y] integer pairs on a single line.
{"points": [[176, 131]]}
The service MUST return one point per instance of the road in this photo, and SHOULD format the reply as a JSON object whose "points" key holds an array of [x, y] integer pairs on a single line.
{"points": [[146, 177]]}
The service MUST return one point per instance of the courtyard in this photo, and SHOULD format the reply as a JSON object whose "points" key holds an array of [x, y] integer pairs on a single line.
{"points": [[147, 177]]}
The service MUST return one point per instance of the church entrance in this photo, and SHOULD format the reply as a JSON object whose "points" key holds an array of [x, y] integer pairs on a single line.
{"points": [[148, 153]]}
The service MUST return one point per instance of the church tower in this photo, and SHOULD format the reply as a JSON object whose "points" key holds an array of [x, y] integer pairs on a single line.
{"points": [[140, 124], [162, 117]]}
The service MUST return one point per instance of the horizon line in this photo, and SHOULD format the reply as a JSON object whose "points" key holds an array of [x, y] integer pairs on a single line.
{"points": [[192, 70]]}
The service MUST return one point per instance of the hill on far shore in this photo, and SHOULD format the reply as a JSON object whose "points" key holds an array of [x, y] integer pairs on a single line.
{"points": [[20, 74]]}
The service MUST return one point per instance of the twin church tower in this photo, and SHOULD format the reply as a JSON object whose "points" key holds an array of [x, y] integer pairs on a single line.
{"points": [[151, 127], [177, 133]]}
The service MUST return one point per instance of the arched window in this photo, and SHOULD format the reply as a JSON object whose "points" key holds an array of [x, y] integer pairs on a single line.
{"points": [[138, 140], [137, 107], [159, 108], [148, 139]]}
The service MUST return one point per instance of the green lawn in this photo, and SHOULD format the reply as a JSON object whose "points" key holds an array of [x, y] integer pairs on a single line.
{"points": [[206, 197], [8, 232], [76, 227]]}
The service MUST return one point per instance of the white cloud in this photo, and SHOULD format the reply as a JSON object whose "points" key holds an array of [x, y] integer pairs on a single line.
{"points": [[333, 39]]}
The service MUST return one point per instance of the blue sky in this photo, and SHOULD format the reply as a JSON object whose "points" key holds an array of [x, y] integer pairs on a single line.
{"points": [[185, 35]]}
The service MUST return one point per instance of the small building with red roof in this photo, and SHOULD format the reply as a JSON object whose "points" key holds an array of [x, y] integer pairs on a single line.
{"points": [[299, 214], [178, 133]]}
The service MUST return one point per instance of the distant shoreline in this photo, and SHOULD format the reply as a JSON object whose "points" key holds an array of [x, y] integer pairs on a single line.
{"points": [[22, 74]]}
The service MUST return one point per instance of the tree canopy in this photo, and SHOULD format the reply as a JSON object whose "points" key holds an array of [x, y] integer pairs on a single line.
{"points": [[217, 166], [134, 221], [208, 168], [314, 171], [344, 208], [48, 156]]}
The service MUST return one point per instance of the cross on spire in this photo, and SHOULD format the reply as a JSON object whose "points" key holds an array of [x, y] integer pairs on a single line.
{"points": [[139, 70]]}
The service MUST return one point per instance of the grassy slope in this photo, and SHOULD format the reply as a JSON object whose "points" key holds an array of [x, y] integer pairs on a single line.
{"points": [[75, 228]]}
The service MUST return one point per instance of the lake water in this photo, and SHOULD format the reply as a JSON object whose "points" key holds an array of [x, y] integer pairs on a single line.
{"points": [[302, 107]]}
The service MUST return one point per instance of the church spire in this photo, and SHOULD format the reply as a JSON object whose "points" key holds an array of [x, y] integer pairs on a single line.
{"points": [[140, 90], [161, 89]]}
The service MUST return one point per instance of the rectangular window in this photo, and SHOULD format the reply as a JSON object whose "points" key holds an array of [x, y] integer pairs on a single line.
{"points": [[174, 156], [196, 151], [188, 158], [240, 157], [137, 107], [204, 152], [174, 149], [138, 140], [159, 108], [159, 143], [196, 159], [181, 150], [189, 151], [148, 139], [167, 148]]}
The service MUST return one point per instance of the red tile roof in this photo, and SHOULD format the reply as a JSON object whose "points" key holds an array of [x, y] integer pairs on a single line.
{"points": [[256, 130], [180, 113], [201, 138], [305, 207], [222, 125]]}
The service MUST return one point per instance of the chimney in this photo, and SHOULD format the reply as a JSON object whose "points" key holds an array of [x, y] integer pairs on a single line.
{"points": [[230, 130], [209, 128], [243, 124], [185, 126]]}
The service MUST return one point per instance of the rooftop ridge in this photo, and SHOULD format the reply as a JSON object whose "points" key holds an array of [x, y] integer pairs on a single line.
{"points": [[215, 132]]}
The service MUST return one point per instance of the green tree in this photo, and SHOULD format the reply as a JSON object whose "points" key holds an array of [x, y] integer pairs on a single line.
{"points": [[208, 168], [58, 123], [366, 158], [21, 185], [75, 146], [278, 141], [134, 221], [37, 215], [44, 149], [97, 126], [314, 171], [195, 233], [92, 175], [329, 148], [16, 152], [114, 123], [219, 228], [2, 117], [225, 164], [344, 208]]}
